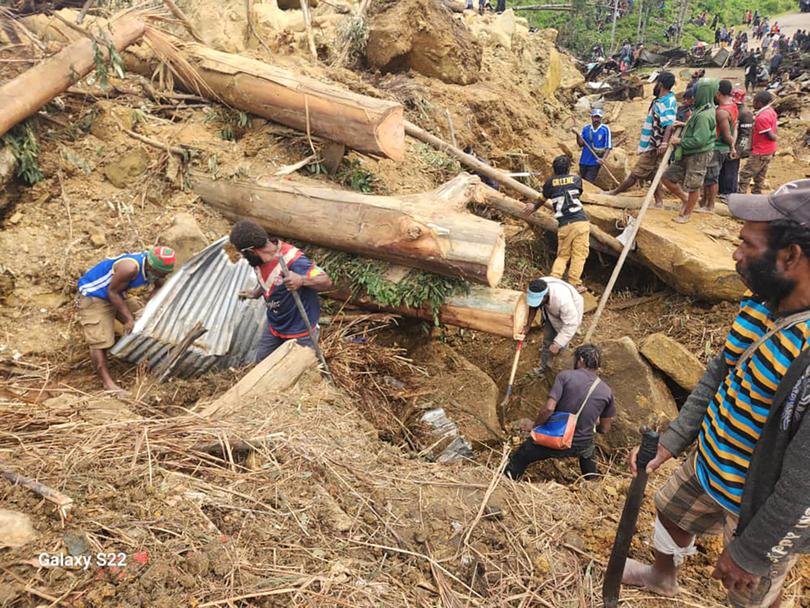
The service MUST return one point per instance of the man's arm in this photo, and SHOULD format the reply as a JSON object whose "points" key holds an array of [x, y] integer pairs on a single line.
{"points": [[123, 273], [532, 314], [723, 125], [545, 412], [683, 431], [315, 279], [571, 320], [782, 525], [603, 425]]}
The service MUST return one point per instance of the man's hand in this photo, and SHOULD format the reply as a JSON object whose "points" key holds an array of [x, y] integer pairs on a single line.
{"points": [[675, 140], [294, 281], [526, 425], [554, 348], [249, 294], [661, 457], [520, 337], [733, 155], [128, 325], [734, 578], [529, 209]]}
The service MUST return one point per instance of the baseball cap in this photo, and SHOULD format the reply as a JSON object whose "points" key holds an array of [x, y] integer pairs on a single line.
{"points": [[597, 112], [791, 201], [161, 258], [738, 95]]}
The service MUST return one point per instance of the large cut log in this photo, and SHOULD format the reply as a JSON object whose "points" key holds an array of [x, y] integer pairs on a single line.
{"points": [[633, 203], [363, 123], [28, 92], [430, 230], [502, 312], [318, 108], [274, 374]]}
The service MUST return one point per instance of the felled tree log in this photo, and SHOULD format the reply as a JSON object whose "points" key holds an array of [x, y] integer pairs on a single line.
{"points": [[28, 92], [502, 312], [274, 374], [363, 123], [431, 230]]}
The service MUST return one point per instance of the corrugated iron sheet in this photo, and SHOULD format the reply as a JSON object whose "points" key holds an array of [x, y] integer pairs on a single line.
{"points": [[204, 289]]}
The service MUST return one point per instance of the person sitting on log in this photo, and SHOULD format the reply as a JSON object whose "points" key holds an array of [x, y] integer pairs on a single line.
{"points": [[562, 308], [102, 300], [562, 190], [577, 391], [284, 322]]}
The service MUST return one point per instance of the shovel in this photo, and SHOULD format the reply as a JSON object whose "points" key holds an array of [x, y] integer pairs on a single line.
{"points": [[512, 375]]}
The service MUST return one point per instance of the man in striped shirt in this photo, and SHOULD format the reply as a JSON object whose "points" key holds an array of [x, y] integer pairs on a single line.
{"points": [[748, 476], [655, 134]]}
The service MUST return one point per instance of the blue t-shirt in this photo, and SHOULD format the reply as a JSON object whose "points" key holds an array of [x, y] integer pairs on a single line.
{"points": [[283, 319], [599, 139]]}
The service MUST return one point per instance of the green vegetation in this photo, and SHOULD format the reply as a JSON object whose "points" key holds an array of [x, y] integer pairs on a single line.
{"points": [[366, 276], [23, 143], [104, 65], [579, 32]]}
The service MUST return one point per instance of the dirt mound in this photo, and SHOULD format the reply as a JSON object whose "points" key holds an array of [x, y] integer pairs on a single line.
{"points": [[423, 35]]}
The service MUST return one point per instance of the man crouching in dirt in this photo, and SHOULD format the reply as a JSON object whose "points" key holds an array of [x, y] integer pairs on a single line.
{"points": [[562, 308], [284, 322], [748, 475], [576, 391], [103, 299]]}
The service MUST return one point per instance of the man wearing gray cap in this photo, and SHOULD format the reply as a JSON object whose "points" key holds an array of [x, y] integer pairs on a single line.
{"points": [[596, 144], [745, 427]]}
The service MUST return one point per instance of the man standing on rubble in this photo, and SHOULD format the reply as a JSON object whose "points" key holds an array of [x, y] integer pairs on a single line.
{"points": [[284, 322], [763, 147], [748, 475], [578, 390], [695, 149], [597, 137], [562, 308], [102, 300], [725, 140], [730, 173], [655, 134]]}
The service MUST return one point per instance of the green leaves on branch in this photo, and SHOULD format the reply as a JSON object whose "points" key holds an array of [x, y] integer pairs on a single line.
{"points": [[24, 146], [368, 277], [106, 63]]}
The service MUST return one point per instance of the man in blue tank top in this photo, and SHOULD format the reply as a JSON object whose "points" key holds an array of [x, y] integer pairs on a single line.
{"points": [[284, 322], [102, 299]]}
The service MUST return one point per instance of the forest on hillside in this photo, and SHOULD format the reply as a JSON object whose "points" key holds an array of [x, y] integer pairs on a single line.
{"points": [[642, 20]]}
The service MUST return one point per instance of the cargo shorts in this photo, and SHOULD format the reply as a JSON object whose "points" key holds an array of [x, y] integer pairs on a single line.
{"points": [[646, 165], [685, 503], [713, 170], [97, 318], [689, 171]]}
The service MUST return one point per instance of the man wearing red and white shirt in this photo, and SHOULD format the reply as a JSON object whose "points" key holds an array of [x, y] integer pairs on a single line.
{"points": [[764, 144]]}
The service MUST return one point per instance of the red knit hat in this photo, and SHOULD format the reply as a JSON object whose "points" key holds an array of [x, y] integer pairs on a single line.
{"points": [[161, 258]]}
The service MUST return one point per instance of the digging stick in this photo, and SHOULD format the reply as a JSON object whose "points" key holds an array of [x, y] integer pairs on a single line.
{"points": [[302, 311], [663, 164], [512, 374], [595, 155], [627, 523]]}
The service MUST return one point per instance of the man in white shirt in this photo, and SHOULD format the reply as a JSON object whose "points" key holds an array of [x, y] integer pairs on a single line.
{"points": [[562, 307]]}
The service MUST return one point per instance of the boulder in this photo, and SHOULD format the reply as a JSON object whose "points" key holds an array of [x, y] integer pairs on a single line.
{"points": [[184, 236], [422, 35], [641, 397], [692, 258], [617, 164], [673, 359], [495, 31], [467, 394], [15, 529], [127, 168]]}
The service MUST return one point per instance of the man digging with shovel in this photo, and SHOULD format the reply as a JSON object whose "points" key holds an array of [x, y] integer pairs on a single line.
{"points": [[745, 426]]}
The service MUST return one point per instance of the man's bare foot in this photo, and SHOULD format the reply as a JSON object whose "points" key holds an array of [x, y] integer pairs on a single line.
{"points": [[657, 205], [681, 219], [641, 575], [113, 389]]}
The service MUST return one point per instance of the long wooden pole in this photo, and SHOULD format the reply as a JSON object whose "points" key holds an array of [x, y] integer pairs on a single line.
{"points": [[470, 161], [613, 27], [629, 243]]}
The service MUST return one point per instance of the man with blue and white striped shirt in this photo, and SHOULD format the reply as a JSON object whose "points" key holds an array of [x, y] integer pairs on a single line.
{"points": [[655, 134]]}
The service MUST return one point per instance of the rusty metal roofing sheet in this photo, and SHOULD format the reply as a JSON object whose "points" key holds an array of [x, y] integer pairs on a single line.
{"points": [[204, 289]]}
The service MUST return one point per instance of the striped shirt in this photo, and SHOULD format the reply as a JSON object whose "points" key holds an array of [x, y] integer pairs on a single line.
{"points": [[661, 115], [735, 417]]}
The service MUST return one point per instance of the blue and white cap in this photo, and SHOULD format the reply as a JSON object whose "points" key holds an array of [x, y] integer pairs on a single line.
{"points": [[535, 298], [597, 112]]}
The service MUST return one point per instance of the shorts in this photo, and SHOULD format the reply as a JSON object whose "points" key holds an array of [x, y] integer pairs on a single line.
{"points": [[689, 171], [589, 172], [685, 503], [646, 165], [97, 318], [713, 169]]}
